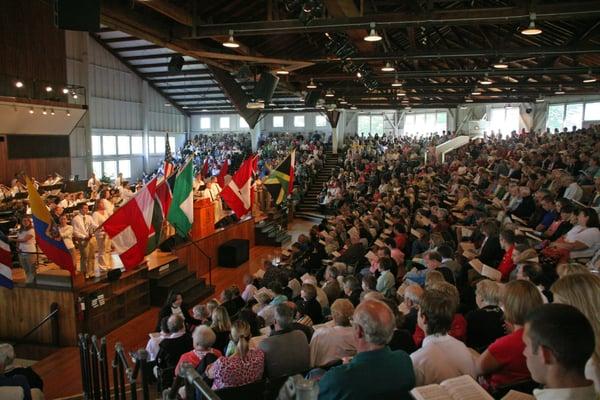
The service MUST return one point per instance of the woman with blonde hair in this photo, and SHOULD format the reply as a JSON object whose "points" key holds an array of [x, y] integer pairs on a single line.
{"points": [[564, 269], [243, 367], [503, 362], [582, 291], [221, 325]]}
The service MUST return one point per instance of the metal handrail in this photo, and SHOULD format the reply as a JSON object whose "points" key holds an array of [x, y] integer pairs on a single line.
{"points": [[192, 380], [52, 315]]}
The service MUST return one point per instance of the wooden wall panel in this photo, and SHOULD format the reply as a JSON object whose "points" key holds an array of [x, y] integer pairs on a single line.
{"points": [[23, 308], [31, 47], [197, 262], [36, 167]]}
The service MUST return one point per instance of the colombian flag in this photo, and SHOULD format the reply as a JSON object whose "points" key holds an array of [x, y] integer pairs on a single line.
{"points": [[53, 247]]}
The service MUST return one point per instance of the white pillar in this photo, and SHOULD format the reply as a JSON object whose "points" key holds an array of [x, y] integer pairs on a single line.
{"points": [[145, 138], [334, 140], [254, 135], [87, 120]]}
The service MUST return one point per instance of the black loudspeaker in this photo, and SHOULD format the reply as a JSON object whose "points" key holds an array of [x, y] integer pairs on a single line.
{"points": [[77, 15], [176, 64], [234, 253], [311, 98], [113, 275], [265, 87]]}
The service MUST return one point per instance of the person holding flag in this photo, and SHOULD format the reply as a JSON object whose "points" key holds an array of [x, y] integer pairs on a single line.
{"points": [[27, 250]]}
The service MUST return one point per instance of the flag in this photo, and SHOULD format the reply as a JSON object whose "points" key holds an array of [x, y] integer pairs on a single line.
{"points": [[279, 183], [46, 233], [237, 193], [162, 202], [204, 172], [254, 179], [129, 226], [168, 166], [5, 263], [222, 172], [181, 211]]}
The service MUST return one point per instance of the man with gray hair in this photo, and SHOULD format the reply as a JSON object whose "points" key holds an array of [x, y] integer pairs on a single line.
{"points": [[286, 349], [172, 348], [376, 372], [7, 356]]}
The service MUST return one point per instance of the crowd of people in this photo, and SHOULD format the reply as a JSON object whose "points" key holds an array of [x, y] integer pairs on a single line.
{"points": [[485, 265]]}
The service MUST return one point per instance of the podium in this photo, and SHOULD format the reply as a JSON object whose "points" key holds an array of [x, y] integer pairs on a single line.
{"points": [[204, 219]]}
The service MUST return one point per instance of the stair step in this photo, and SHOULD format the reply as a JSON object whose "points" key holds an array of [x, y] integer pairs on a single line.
{"points": [[165, 270], [187, 285], [173, 279]]}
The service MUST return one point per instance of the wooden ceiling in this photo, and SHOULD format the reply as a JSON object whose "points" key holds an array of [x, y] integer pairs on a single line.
{"points": [[441, 49]]}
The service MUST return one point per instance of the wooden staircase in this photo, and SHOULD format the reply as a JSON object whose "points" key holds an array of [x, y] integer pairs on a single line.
{"points": [[173, 276], [272, 231], [309, 206]]}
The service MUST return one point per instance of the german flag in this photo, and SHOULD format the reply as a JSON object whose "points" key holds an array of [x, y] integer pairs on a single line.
{"points": [[281, 181]]}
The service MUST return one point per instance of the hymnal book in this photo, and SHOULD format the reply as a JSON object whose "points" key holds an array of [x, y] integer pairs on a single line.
{"points": [[371, 256], [353, 232], [518, 220], [389, 221], [259, 274], [496, 202], [469, 254], [448, 203], [466, 246], [269, 292], [379, 243], [425, 221], [383, 236], [526, 229], [325, 234], [322, 242], [485, 270], [461, 388], [286, 253], [515, 395], [466, 232], [529, 235], [416, 233], [336, 254], [387, 231]]}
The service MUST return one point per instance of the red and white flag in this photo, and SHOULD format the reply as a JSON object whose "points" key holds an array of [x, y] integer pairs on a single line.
{"points": [[6, 279], [237, 194], [129, 226], [222, 172]]}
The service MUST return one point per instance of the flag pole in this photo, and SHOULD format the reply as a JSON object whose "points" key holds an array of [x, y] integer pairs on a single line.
{"points": [[209, 258]]}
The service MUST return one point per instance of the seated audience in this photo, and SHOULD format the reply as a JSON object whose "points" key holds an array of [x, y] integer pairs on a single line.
{"points": [[203, 339], [174, 306], [330, 343], [375, 372], [503, 363], [221, 325], [171, 348], [486, 324], [559, 340]]}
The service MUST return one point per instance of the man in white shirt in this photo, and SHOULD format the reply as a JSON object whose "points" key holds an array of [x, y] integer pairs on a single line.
{"points": [[558, 342], [93, 183], [83, 229], [331, 343], [442, 356]]}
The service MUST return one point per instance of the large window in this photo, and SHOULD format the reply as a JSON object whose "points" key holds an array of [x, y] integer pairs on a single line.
{"points": [[299, 121], [109, 145], [137, 145], [370, 124], [243, 123], [592, 112], [172, 144], [151, 148], [425, 123], [96, 145], [567, 115], [204, 122], [277, 121], [123, 145], [125, 168], [97, 168], [320, 121], [160, 144], [504, 120], [110, 169], [224, 122]]}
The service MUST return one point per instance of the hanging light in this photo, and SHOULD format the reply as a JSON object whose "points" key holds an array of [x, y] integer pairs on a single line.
{"points": [[52, 111], [48, 88], [343, 101], [75, 96], [31, 110], [388, 67], [231, 43], [408, 108], [559, 90], [540, 99], [468, 100], [358, 74], [463, 107], [589, 78], [329, 93], [486, 80], [531, 30], [400, 93], [311, 84], [500, 64], [476, 91], [19, 84], [373, 36], [68, 113], [44, 112], [353, 107], [65, 91], [396, 83], [282, 71]]}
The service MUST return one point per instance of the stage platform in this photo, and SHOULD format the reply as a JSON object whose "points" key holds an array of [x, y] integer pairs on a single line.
{"points": [[98, 306]]}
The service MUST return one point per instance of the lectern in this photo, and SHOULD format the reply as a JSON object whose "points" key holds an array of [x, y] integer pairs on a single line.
{"points": [[204, 219]]}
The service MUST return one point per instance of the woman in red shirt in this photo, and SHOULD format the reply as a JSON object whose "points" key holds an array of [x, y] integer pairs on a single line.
{"points": [[503, 362]]}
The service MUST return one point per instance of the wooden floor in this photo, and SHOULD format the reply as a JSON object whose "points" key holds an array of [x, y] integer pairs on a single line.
{"points": [[61, 372]]}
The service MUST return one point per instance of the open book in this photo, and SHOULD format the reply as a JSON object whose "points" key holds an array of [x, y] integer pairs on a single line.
{"points": [[466, 246], [461, 388], [485, 270], [416, 233], [518, 220], [269, 292], [336, 254], [379, 243], [371, 256]]}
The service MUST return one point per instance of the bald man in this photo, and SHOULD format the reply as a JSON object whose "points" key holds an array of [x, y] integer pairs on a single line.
{"points": [[375, 372]]}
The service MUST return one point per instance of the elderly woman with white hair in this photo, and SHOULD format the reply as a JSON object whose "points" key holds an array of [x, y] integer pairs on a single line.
{"points": [[203, 339], [330, 343]]}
